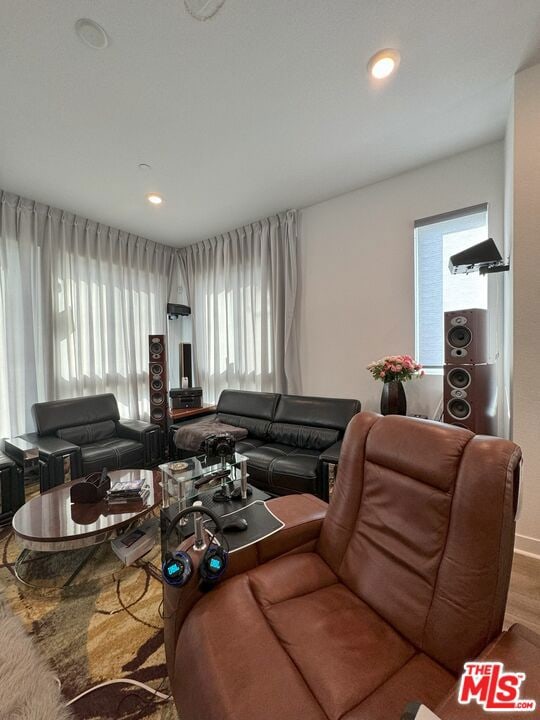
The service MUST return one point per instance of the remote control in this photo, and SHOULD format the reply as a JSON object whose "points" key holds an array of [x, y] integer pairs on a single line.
{"points": [[217, 475]]}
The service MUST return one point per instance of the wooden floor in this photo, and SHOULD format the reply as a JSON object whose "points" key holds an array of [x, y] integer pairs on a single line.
{"points": [[524, 595]]}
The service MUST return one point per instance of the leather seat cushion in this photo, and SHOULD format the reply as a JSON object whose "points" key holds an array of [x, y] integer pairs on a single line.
{"points": [[283, 467], [247, 444], [341, 661], [114, 454]]}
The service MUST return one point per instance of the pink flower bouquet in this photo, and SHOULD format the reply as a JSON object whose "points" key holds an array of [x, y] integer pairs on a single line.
{"points": [[395, 367]]}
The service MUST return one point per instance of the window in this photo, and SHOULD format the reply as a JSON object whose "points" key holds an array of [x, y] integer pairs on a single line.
{"points": [[436, 289]]}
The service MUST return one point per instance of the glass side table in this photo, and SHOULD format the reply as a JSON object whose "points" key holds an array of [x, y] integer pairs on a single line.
{"points": [[183, 480], [181, 487]]}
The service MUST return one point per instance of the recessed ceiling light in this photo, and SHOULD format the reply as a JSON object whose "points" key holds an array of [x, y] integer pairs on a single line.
{"points": [[91, 33], [203, 9], [383, 63], [154, 198]]}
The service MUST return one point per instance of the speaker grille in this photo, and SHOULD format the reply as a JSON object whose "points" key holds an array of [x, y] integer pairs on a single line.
{"points": [[470, 396], [459, 336], [459, 378], [156, 348], [459, 408], [157, 414], [466, 337], [158, 384]]}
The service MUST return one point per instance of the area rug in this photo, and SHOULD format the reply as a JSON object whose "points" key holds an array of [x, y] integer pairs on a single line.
{"points": [[106, 625]]}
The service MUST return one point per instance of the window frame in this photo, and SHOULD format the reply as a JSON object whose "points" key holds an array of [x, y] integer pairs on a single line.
{"points": [[432, 220]]}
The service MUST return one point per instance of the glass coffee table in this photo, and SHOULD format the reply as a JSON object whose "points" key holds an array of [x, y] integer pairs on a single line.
{"points": [[197, 478]]}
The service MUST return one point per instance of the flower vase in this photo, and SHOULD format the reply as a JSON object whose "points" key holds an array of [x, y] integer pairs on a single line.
{"points": [[393, 400]]}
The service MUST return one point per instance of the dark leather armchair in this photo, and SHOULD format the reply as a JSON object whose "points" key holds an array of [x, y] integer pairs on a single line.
{"points": [[82, 435], [11, 488], [352, 613]]}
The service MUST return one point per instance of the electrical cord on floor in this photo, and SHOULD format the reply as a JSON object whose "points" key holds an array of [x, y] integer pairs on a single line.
{"points": [[135, 695], [160, 697]]}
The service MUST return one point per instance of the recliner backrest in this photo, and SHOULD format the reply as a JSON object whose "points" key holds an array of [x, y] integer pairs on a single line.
{"points": [[56, 414], [421, 528]]}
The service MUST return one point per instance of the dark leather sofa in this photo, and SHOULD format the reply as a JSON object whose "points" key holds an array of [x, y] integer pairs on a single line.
{"points": [[82, 435], [291, 440], [356, 608]]}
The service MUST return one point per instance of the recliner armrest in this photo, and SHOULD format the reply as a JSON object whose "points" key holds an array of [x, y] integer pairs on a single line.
{"points": [[331, 454], [519, 650], [302, 516], [148, 434]]}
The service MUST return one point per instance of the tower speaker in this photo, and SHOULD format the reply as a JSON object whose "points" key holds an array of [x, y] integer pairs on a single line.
{"points": [[470, 397], [186, 365], [158, 385], [466, 336]]}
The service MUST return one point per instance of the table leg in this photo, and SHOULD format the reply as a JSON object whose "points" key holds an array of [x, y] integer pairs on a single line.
{"points": [[24, 559]]}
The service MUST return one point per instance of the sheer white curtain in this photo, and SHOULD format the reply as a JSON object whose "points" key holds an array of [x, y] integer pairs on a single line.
{"points": [[77, 301], [242, 290]]}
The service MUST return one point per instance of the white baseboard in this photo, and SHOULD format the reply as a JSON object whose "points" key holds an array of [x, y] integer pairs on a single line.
{"points": [[527, 546]]}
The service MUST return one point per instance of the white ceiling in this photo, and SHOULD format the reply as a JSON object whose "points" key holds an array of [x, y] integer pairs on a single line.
{"points": [[266, 106]]}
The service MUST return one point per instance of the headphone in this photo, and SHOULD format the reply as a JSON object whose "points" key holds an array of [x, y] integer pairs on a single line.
{"points": [[177, 567]]}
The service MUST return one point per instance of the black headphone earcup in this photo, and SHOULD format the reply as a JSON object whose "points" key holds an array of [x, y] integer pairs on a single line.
{"points": [[177, 568], [212, 567]]}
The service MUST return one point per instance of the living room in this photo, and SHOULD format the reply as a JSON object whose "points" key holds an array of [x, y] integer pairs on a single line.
{"points": [[216, 217]]}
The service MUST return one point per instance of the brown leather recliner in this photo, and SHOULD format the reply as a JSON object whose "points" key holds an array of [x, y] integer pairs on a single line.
{"points": [[353, 612]]}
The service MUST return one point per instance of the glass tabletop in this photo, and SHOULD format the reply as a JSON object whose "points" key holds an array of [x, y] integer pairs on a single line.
{"points": [[181, 478]]}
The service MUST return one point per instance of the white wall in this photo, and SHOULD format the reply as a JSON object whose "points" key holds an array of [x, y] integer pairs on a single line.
{"points": [[508, 324], [357, 272], [526, 263]]}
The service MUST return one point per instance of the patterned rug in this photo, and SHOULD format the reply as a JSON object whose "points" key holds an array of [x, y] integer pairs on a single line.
{"points": [[105, 625]]}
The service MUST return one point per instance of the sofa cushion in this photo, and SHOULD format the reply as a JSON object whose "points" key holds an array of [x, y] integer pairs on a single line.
{"points": [[255, 426], [84, 434], [114, 454], [295, 472], [339, 658], [249, 404], [249, 443], [283, 467], [322, 412], [303, 436]]}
